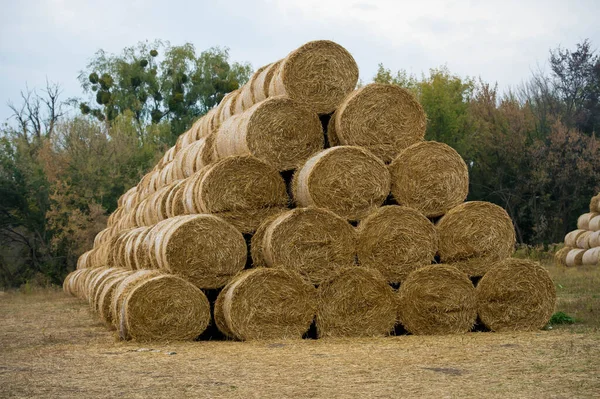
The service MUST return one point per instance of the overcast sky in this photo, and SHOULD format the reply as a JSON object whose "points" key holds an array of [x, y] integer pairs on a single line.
{"points": [[501, 41]]}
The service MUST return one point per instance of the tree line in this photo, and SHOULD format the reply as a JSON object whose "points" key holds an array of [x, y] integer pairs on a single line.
{"points": [[64, 163]]}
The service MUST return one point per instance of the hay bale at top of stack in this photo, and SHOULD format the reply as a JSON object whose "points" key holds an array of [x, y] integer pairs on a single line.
{"points": [[203, 249], [396, 240], [430, 177], [266, 303], [310, 241], [355, 302], [241, 189], [280, 131], [319, 74], [595, 203], [594, 223], [437, 299], [164, 308], [383, 118], [475, 229], [247, 98], [516, 295], [350, 181]]}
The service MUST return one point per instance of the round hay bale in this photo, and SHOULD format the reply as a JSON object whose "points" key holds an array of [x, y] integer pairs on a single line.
{"points": [[575, 257], [349, 181], [431, 177], [583, 222], [95, 281], [595, 203], [218, 316], [77, 282], [437, 300], [516, 295], [82, 261], [591, 257], [104, 301], [256, 242], [383, 118], [240, 185], [396, 240], [561, 255], [594, 239], [246, 97], [194, 157], [594, 223], [226, 107], [355, 302], [267, 304], [571, 237], [203, 249], [247, 221], [279, 131], [124, 288], [313, 242], [475, 229], [130, 247], [95, 300], [176, 194], [68, 281], [260, 86], [319, 74], [582, 240], [164, 308], [85, 283]]}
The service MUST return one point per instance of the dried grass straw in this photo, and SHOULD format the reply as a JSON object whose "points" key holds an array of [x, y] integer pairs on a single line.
{"points": [[396, 240], [575, 257], [266, 304], [475, 229], [350, 181], [583, 222], [104, 302], [561, 255], [572, 237], [383, 118], [279, 131], [310, 241], [123, 289], [319, 74], [164, 308], [591, 257], [355, 302], [516, 295], [203, 249], [437, 300], [431, 177]]}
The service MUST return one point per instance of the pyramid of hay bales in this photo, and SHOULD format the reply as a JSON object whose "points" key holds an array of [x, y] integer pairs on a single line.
{"points": [[582, 245], [301, 201]]}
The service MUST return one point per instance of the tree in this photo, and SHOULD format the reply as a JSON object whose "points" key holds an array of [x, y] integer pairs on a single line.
{"points": [[158, 83]]}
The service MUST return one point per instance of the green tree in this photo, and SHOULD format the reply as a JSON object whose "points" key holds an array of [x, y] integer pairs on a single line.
{"points": [[159, 83]]}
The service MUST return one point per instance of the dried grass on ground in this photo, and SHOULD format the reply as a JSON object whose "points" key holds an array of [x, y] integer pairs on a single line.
{"points": [[51, 346]]}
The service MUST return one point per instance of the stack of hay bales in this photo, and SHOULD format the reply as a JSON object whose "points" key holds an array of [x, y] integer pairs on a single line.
{"points": [[298, 205], [582, 246]]}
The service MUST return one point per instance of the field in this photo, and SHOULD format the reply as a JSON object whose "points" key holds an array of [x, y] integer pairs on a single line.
{"points": [[51, 346]]}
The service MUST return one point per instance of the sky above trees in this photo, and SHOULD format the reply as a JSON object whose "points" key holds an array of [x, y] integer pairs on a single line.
{"points": [[501, 41]]}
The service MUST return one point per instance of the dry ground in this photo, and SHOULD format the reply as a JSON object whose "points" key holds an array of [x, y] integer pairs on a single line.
{"points": [[51, 346]]}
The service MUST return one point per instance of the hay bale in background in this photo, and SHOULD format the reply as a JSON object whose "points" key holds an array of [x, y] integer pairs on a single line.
{"points": [[350, 181], [164, 308], [583, 222], [591, 257], [595, 203], [319, 74], [430, 177], [594, 239], [436, 300], [396, 240], [575, 257], [355, 302], [226, 107], [310, 241], [594, 223], [266, 304], [582, 240], [279, 131], [475, 229], [116, 274], [516, 295], [246, 97], [571, 237], [105, 299], [383, 118], [194, 157], [203, 249], [561, 255]]}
